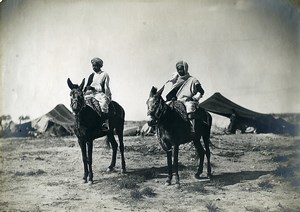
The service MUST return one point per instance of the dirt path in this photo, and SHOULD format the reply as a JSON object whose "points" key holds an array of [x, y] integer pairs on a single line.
{"points": [[251, 173]]}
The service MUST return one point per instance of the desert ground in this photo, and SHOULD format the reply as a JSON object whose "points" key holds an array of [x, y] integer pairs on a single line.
{"points": [[251, 172]]}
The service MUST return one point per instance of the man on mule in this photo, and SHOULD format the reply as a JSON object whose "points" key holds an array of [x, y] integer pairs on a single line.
{"points": [[97, 91], [186, 89]]}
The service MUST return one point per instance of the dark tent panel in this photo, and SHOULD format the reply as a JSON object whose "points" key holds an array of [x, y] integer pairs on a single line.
{"points": [[220, 105], [61, 115], [264, 123]]}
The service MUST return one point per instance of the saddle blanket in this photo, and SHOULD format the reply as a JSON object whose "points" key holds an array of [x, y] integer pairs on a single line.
{"points": [[179, 107], [89, 103]]}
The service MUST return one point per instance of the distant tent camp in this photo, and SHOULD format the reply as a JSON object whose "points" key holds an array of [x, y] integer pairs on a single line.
{"points": [[264, 123], [16, 130], [58, 121]]}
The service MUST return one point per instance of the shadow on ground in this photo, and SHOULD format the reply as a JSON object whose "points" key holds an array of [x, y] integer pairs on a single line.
{"points": [[237, 177]]}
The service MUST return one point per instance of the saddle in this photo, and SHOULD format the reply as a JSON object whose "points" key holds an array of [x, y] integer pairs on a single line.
{"points": [[96, 107], [179, 107], [200, 113]]}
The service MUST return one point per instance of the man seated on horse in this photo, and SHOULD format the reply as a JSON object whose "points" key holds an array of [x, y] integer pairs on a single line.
{"points": [[97, 92], [186, 89]]}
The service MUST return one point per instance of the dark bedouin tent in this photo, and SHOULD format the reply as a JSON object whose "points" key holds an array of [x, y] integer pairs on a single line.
{"points": [[59, 121], [263, 123]]}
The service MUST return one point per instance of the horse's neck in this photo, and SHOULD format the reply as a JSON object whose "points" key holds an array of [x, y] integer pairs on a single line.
{"points": [[80, 115], [167, 115]]}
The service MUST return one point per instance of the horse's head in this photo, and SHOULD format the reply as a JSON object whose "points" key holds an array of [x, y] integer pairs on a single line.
{"points": [[155, 103], [76, 94]]}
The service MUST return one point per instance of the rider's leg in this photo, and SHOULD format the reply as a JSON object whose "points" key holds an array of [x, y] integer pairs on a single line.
{"points": [[191, 109], [191, 117], [97, 106], [105, 111], [103, 114]]}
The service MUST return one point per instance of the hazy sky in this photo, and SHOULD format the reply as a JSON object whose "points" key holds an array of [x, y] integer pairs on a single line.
{"points": [[248, 50]]}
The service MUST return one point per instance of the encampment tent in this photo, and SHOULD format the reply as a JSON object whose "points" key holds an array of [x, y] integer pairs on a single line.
{"points": [[57, 122], [264, 123], [59, 118]]}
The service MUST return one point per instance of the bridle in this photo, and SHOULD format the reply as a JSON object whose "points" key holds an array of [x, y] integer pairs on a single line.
{"points": [[77, 102], [160, 110]]}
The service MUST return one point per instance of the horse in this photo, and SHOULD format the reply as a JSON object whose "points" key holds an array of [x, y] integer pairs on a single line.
{"points": [[88, 127], [173, 130]]}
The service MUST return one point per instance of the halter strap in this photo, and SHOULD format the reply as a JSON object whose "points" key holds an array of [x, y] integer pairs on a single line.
{"points": [[160, 110], [83, 105]]}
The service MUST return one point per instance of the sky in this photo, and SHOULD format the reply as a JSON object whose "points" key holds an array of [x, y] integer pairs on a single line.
{"points": [[248, 50]]}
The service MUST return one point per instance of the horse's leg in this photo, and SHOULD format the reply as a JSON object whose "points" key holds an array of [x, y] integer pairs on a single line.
{"points": [[170, 172], [90, 160], [207, 152], [120, 136], [201, 153], [114, 146], [175, 163], [82, 145]]}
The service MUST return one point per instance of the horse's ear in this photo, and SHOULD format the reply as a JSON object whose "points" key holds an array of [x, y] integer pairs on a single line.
{"points": [[160, 91], [82, 84], [70, 84], [153, 91]]}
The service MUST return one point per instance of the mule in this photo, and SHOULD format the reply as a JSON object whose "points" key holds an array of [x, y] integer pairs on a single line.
{"points": [[173, 130], [88, 127]]}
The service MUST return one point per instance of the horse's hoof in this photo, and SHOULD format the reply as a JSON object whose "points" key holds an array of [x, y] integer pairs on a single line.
{"points": [[210, 176], [90, 183], [84, 181], [109, 169], [197, 176], [123, 171], [168, 183], [177, 185]]}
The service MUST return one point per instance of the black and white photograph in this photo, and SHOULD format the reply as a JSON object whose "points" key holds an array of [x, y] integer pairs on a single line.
{"points": [[150, 105]]}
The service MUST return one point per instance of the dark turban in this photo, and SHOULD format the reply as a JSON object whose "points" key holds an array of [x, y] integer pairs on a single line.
{"points": [[97, 61]]}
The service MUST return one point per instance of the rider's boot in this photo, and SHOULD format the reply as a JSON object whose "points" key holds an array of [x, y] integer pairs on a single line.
{"points": [[105, 125]]}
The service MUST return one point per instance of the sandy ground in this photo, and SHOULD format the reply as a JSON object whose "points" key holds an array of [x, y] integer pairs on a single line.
{"points": [[251, 173]]}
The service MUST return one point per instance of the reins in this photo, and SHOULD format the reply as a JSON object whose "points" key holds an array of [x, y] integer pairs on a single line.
{"points": [[161, 109]]}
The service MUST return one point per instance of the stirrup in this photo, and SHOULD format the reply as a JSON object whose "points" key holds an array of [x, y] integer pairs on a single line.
{"points": [[105, 127], [105, 123]]}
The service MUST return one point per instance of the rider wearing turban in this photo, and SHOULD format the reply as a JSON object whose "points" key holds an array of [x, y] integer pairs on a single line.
{"points": [[187, 89], [98, 61], [97, 90]]}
